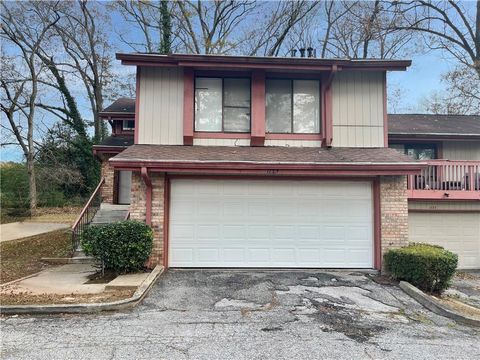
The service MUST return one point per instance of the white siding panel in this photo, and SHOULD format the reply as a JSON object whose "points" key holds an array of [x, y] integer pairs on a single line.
{"points": [[444, 205], [294, 143], [161, 106], [461, 150], [357, 109], [222, 142]]}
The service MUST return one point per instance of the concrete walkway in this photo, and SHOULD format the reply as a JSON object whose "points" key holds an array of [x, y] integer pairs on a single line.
{"points": [[65, 279], [20, 230]]}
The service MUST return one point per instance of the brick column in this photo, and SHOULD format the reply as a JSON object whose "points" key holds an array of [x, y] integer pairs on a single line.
{"points": [[138, 210], [108, 173], [394, 212]]}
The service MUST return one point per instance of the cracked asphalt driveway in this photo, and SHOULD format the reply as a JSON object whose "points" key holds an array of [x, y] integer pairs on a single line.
{"points": [[247, 314]]}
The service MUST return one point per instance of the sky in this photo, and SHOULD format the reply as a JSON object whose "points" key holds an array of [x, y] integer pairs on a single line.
{"points": [[417, 83]]}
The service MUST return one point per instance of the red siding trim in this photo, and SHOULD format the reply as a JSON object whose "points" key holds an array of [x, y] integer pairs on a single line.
{"points": [[426, 137], [293, 136], [258, 108], [377, 225], [137, 105], [188, 105], [250, 66], [443, 211], [220, 135], [148, 205], [385, 115], [166, 219]]}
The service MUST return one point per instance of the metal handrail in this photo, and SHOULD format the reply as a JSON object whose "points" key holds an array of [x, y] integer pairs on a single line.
{"points": [[86, 215]]}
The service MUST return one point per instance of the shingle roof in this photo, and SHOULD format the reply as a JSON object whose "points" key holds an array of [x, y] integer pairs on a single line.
{"points": [[121, 105], [117, 141], [260, 155], [434, 125]]}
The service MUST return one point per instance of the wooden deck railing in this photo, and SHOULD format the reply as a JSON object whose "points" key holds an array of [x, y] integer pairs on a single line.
{"points": [[86, 216], [446, 179]]}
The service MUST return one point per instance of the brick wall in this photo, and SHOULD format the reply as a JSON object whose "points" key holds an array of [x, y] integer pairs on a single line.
{"points": [[394, 212], [138, 210], [108, 174]]}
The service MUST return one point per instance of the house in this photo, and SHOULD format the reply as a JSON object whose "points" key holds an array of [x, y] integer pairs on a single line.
{"points": [[260, 161], [444, 199]]}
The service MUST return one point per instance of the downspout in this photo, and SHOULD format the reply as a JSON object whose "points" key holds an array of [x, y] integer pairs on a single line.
{"points": [[148, 203], [328, 106]]}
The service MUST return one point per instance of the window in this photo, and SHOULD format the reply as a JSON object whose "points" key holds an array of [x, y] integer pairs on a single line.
{"points": [[128, 125], [417, 151], [222, 104], [292, 106]]}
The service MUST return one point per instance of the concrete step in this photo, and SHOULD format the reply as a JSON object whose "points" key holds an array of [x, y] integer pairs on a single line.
{"points": [[109, 213], [107, 206]]}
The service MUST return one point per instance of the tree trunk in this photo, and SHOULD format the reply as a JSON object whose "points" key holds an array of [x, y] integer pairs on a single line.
{"points": [[32, 184]]}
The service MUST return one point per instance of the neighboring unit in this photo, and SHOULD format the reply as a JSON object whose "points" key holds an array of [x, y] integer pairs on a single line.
{"points": [[444, 199]]}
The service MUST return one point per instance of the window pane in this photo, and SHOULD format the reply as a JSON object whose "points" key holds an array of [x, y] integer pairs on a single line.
{"points": [[208, 104], [421, 152], [236, 105], [398, 147], [128, 125], [306, 106], [278, 106]]}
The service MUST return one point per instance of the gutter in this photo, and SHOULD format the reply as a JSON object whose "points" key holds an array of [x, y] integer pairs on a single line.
{"points": [[148, 183]]}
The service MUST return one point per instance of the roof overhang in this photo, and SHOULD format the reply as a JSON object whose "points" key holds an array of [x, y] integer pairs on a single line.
{"points": [[433, 137], [117, 115], [102, 149], [256, 62], [270, 169]]}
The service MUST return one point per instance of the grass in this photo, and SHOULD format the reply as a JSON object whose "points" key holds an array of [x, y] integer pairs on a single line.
{"points": [[67, 214], [20, 258]]}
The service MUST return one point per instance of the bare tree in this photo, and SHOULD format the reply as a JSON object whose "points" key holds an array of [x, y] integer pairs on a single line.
{"points": [[19, 93], [273, 31], [450, 26], [209, 27]]}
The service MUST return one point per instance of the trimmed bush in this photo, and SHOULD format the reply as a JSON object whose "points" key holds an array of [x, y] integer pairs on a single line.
{"points": [[427, 267], [122, 247]]}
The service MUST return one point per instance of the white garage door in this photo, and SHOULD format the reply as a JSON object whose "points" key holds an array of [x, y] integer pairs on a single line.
{"points": [[263, 223], [458, 232]]}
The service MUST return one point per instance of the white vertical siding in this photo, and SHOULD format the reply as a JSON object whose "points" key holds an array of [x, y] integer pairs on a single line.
{"points": [[461, 150], [222, 142], [161, 106], [357, 109], [294, 143]]}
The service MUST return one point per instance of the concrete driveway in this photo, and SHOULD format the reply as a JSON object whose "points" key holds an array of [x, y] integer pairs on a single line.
{"points": [[20, 230], [250, 315]]}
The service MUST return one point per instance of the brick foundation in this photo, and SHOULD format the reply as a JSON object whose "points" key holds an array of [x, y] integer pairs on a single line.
{"points": [[394, 212], [109, 175], [138, 210]]}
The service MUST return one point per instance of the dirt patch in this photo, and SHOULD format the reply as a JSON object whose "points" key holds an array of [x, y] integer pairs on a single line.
{"points": [[99, 278], [460, 307], [44, 299], [462, 275], [23, 257], [383, 280]]}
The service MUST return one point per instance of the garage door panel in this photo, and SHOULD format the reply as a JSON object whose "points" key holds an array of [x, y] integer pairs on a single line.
{"points": [[457, 232], [235, 223]]}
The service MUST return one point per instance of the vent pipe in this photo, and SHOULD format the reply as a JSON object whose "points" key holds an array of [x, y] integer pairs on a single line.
{"points": [[302, 52], [293, 52]]}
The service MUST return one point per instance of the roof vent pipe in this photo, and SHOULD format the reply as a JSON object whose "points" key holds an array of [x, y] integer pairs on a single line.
{"points": [[293, 52], [302, 52], [310, 52]]}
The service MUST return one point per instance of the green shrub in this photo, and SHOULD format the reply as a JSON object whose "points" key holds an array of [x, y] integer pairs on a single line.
{"points": [[122, 247], [428, 267]]}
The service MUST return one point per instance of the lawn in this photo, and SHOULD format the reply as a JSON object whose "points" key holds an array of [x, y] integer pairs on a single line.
{"points": [[20, 258], [67, 214]]}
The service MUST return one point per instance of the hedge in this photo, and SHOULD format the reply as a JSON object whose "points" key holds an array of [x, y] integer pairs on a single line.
{"points": [[122, 247], [428, 267]]}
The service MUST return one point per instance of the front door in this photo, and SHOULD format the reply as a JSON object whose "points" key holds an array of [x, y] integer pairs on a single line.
{"points": [[124, 187]]}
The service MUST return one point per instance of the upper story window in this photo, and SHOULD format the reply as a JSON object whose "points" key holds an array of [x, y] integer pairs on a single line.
{"points": [[292, 106], [128, 125], [417, 151], [222, 104]]}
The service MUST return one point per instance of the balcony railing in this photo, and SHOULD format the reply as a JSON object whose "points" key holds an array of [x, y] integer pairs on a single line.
{"points": [[446, 179]]}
